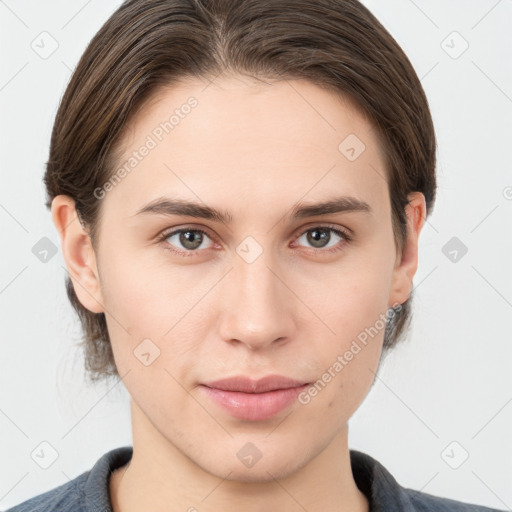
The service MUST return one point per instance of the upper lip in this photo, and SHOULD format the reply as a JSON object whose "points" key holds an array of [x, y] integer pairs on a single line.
{"points": [[247, 385]]}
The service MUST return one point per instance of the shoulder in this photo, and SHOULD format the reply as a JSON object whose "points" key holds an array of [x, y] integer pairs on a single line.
{"points": [[385, 494], [68, 496], [88, 492], [424, 502]]}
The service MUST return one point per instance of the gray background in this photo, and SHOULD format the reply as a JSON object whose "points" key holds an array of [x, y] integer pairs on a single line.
{"points": [[443, 395]]}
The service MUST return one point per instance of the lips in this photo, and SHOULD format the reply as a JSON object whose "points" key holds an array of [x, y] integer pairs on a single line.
{"points": [[253, 400], [247, 385]]}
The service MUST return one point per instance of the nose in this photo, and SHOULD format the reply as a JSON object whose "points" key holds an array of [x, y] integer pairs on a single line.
{"points": [[258, 305]]}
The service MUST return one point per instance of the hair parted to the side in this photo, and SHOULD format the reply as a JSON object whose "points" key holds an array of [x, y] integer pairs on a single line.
{"points": [[149, 44]]}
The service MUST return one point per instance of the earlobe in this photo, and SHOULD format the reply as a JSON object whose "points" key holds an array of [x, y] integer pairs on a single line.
{"points": [[407, 262], [78, 253]]}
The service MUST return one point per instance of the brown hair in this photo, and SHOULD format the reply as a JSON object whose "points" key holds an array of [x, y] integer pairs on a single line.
{"points": [[147, 44]]}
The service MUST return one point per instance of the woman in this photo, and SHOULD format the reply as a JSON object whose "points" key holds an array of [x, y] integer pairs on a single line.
{"points": [[239, 188]]}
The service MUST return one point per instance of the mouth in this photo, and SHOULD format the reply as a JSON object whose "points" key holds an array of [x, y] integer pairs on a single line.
{"points": [[254, 400]]}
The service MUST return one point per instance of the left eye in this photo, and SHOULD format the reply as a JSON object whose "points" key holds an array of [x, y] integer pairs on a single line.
{"points": [[320, 234]]}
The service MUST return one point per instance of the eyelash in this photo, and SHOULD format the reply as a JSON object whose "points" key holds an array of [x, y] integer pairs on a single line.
{"points": [[340, 232]]}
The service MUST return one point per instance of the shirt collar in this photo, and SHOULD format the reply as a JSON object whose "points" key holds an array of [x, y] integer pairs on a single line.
{"points": [[383, 492]]}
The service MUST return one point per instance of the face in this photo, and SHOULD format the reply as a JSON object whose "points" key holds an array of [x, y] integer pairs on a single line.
{"points": [[271, 288]]}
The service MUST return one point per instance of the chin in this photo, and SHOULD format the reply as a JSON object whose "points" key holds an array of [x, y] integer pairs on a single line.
{"points": [[261, 473], [262, 468]]}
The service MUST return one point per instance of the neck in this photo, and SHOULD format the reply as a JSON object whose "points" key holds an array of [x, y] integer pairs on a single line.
{"points": [[159, 477]]}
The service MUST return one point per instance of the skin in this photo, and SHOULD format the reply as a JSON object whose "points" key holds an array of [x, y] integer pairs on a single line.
{"points": [[254, 149]]}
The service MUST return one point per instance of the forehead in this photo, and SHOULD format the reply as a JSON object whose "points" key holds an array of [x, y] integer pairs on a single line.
{"points": [[247, 143]]}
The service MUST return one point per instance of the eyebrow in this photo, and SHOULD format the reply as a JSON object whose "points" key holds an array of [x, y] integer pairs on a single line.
{"points": [[167, 206]]}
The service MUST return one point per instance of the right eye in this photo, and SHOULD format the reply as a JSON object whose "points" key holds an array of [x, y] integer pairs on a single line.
{"points": [[187, 240]]}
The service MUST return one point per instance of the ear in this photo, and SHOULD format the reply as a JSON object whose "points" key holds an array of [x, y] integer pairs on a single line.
{"points": [[78, 254], [407, 262]]}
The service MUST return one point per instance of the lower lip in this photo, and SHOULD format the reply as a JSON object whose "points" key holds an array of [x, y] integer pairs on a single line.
{"points": [[254, 406]]}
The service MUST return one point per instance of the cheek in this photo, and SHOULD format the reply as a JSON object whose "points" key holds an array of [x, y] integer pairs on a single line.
{"points": [[356, 297], [348, 362], [154, 314], [354, 307], [131, 310], [148, 299], [135, 290]]}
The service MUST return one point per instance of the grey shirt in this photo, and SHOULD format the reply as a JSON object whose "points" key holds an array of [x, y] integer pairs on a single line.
{"points": [[89, 492]]}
